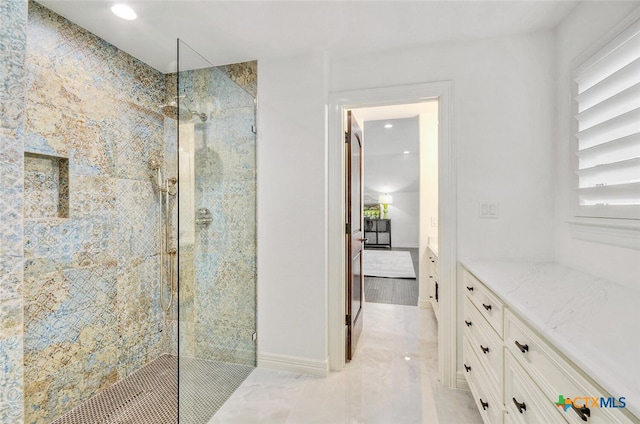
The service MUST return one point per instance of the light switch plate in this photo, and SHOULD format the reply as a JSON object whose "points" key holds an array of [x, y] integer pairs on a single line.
{"points": [[489, 210]]}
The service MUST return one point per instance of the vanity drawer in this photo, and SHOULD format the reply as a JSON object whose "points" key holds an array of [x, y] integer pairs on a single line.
{"points": [[486, 398], [524, 401], [487, 303], [556, 376], [484, 342]]}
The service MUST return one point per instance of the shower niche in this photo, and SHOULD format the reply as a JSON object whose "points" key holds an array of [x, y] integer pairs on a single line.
{"points": [[46, 186]]}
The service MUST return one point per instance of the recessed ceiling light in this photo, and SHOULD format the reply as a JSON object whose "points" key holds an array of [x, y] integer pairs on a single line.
{"points": [[388, 125], [123, 11], [406, 152]]}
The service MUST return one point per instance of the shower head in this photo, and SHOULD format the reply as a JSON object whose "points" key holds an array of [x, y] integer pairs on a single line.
{"points": [[154, 164], [171, 110]]}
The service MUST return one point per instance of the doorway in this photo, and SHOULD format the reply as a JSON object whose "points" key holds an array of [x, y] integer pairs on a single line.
{"points": [[392, 96], [401, 177]]}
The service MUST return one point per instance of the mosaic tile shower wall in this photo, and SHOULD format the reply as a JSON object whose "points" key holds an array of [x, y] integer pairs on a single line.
{"points": [[218, 267], [91, 305], [13, 36]]}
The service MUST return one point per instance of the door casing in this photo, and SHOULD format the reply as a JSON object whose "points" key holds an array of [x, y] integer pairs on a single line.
{"points": [[339, 102]]}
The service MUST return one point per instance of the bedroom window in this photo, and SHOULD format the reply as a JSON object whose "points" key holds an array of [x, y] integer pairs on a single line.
{"points": [[607, 127]]}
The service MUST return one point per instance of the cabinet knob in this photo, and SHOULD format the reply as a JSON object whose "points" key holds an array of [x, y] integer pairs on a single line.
{"points": [[469, 324], [466, 367], [487, 307], [469, 288], [583, 412], [485, 350], [521, 406], [484, 404], [523, 348]]}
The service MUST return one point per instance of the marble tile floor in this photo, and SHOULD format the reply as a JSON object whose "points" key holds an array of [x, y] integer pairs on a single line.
{"points": [[392, 380]]}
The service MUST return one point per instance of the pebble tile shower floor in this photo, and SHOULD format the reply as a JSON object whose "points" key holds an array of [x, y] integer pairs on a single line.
{"points": [[150, 395]]}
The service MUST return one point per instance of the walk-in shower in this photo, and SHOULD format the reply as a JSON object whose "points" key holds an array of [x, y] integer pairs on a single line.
{"points": [[166, 188], [121, 286], [216, 170]]}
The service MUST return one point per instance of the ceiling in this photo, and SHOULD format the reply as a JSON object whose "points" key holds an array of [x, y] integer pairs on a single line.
{"points": [[391, 155], [402, 136], [226, 32], [387, 169]]}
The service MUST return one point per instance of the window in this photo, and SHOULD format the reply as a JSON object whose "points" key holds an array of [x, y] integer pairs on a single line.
{"points": [[607, 128]]}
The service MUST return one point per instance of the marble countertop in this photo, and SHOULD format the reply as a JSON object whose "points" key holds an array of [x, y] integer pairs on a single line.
{"points": [[592, 321]]}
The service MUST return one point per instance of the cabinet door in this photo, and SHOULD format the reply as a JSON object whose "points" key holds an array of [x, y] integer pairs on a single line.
{"points": [[372, 238]]}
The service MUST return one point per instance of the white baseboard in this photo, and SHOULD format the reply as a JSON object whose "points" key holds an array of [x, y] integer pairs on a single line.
{"points": [[461, 381], [405, 245], [297, 364], [424, 303]]}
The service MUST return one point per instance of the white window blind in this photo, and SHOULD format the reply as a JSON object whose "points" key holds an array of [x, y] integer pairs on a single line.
{"points": [[607, 98]]}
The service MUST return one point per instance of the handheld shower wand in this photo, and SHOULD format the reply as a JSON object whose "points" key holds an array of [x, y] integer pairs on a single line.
{"points": [[167, 259]]}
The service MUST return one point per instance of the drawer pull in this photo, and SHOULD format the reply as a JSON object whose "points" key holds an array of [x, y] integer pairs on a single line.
{"points": [[484, 349], [487, 307], [523, 348], [484, 404], [521, 406], [583, 412], [469, 288], [466, 367], [469, 323]]}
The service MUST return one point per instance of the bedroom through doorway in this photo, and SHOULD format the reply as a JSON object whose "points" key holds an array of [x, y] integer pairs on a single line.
{"points": [[400, 202]]}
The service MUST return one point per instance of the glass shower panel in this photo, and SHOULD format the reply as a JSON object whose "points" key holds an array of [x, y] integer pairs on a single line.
{"points": [[215, 159]]}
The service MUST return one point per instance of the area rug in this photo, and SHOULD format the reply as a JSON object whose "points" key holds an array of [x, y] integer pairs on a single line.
{"points": [[388, 264], [396, 291]]}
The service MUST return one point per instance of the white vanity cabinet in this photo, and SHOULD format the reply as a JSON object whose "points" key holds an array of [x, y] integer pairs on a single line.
{"points": [[520, 371], [483, 348], [434, 285], [524, 402], [555, 375]]}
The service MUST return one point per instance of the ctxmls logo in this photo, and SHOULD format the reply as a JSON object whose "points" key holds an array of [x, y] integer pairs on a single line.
{"points": [[590, 402]]}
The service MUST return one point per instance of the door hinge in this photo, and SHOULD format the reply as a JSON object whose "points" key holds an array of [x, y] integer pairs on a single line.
{"points": [[348, 228], [346, 137], [348, 319], [254, 337]]}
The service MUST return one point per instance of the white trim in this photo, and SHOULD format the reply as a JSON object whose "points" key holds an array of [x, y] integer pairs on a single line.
{"points": [[595, 47], [405, 245], [594, 53], [462, 383], [424, 303], [616, 232], [336, 238], [297, 364], [448, 267]]}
